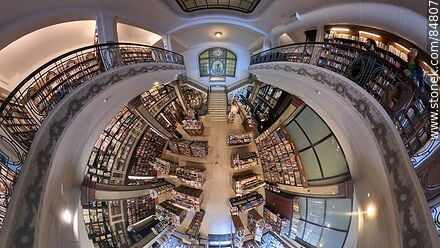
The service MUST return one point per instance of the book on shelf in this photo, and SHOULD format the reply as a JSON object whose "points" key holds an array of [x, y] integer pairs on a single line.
{"points": [[246, 182], [256, 224], [245, 202], [193, 127], [166, 211], [187, 198], [189, 148], [280, 159], [240, 139], [191, 176], [194, 226], [244, 160]]}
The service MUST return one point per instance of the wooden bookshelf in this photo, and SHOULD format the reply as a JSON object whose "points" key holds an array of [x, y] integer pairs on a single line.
{"points": [[139, 209], [245, 202], [190, 176], [240, 139], [244, 160], [193, 127], [280, 159], [276, 222], [194, 226], [238, 235], [246, 182], [255, 224], [167, 212], [189, 148], [187, 198], [149, 147]]}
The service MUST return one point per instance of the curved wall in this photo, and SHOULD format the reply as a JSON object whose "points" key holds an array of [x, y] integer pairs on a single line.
{"points": [[53, 171], [398, 20], [377, 159]]}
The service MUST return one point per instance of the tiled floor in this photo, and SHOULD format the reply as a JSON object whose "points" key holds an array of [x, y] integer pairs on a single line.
{"points": [[217, 188]]}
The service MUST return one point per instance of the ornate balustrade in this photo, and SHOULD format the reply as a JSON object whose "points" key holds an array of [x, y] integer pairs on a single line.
{"points": [[26, 107], [379, 74]]}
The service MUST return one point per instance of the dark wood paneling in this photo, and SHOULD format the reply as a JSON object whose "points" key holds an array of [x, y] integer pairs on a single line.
{"points": [[279, 204]]}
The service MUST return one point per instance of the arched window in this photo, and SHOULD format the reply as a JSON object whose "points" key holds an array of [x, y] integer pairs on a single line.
{"points": [[217, 63]]}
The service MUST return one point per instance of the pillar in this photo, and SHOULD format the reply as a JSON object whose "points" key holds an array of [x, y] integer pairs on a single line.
{"points": [[178, 88], [320, 32], [137, 106], [275, 41], [106, 25], [266, 43], [166, 39]]}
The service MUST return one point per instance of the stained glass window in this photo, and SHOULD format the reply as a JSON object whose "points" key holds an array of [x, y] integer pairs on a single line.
{"points": [[217, 63], [245, 6]]}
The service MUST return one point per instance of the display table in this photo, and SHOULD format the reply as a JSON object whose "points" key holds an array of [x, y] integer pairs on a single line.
{"points": [[193, 127], [239, 139]]}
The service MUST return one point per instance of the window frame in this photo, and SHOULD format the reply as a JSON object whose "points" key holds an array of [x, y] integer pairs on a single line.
{"points": [[226, 60]]}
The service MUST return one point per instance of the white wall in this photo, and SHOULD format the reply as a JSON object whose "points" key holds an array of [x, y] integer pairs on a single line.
{"points": [[132, 34], [192, 62], [23, 56]]}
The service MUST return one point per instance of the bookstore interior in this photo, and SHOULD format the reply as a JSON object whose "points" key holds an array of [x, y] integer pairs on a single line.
{"points": [[229, 151]]}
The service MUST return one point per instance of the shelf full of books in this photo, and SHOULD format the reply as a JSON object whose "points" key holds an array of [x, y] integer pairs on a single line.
{"points": [[280, 159], [109, 157], [190, 176], [256, 224], [193, 127], [246, 182], [240, 139], [189, 148], [163, 166], [149, 147], [187, 198], [276, 222], [245, 202], [194, 226], [167, 212], [244, 160], [96, 219], [238, 235], [139, 209]]}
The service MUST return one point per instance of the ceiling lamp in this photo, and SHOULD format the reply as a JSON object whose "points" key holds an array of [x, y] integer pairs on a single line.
{"points": [[370, 34], [218, 34], [340, 29]]}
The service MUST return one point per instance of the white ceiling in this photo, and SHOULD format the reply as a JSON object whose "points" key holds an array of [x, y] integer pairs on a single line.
{"points": [[194, 36]]}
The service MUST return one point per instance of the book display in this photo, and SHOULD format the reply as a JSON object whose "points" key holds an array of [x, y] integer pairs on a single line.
{"points": [[139, 209], [239, 139], [248, 124], [190, 176], [194, 227], [238, 235], [187, 198], [158, 186], [157, 98], [149, 147], [132, 55], [276, 222], [163, 166], [193, 127], [255, 224], [199, 149], [279, 158], [274, 187], [295, 217], [244, 160], [97, 225], [167, 212], [246, 182], [110, 154], [189, 148], [195, 99], [245, 202]]}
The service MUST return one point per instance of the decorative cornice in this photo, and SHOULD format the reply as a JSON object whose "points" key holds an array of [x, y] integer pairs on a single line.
{"points": [[410, 216], [39, 160]]}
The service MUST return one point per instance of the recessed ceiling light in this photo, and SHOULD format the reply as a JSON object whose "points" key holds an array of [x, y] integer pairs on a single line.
{"points": [[218, 34], [371, 211]]}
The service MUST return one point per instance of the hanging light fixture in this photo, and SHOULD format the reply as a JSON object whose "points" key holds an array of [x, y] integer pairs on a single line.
{"points": [[218, 34]]}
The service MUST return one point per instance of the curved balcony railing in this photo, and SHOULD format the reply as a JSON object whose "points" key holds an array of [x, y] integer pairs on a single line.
{"points": [[23, 111], [379, 74]]}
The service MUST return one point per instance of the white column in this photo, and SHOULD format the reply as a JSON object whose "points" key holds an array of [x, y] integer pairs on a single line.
{"points": [[107, 31], [166, 39], [275, 41], [320, 34], [266, 43]]}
